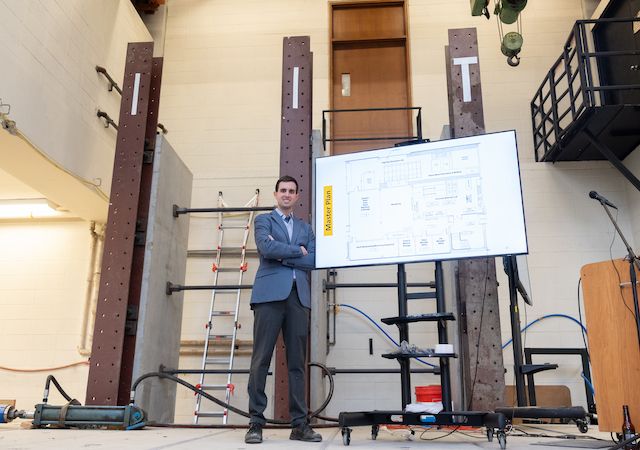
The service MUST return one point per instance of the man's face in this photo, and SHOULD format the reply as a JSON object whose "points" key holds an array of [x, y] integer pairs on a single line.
{"points": [[286, 196]]}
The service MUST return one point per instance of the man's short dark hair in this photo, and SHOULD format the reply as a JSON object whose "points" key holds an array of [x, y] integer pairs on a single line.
{"points": [[285, 179]]}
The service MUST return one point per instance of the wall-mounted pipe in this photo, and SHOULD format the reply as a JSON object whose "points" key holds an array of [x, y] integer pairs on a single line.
{"points": [[93, 282]]}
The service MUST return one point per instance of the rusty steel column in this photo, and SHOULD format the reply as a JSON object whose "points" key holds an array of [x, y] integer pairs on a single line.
{"points": [[295, 160], [479, 319], [142, 220], [118, 298]]}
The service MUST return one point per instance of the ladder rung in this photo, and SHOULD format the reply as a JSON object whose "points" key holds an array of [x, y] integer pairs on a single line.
{"points": [[217, 361], [231, 248], [226, 291], [220, 336], [210, 414], [233, 227], [242, 267], [213, 387], [222, 313]]}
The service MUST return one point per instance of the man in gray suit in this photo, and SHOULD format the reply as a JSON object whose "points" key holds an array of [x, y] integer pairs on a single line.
{"points": [[281, 300]]}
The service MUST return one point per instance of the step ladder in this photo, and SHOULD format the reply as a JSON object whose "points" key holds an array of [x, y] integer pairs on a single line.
{"points": [[222, 325]]}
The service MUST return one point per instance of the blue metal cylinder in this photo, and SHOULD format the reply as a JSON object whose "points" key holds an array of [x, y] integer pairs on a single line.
{"points": [[119, 417], [6, 413]]}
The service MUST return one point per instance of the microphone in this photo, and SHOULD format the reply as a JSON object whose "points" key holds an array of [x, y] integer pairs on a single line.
{"points": [[594, 195]]}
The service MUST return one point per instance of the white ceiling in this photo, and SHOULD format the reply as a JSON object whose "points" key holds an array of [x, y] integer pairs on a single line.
{"points": [[12, 188]]}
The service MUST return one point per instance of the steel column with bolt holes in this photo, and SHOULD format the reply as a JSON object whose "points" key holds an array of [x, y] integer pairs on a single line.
{"points": [[295, 160], [142, 220], [117, 309], [479, 319]]}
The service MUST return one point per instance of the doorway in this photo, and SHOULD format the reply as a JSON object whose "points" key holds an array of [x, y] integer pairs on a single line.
{"points": [[369, 69]]}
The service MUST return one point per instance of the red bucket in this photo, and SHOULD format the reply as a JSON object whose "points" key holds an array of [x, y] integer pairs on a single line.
{"points": [[427, 394]]}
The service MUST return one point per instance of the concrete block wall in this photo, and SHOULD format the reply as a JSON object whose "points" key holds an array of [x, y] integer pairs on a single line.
{"points": [[43, 280], [633, 163]]}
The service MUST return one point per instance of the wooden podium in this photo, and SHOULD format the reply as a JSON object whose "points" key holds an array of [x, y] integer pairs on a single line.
{"points": [[613, 341]]}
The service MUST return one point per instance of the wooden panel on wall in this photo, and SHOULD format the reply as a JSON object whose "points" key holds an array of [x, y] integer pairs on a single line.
{"points": [[368, 21], [613, 341]]}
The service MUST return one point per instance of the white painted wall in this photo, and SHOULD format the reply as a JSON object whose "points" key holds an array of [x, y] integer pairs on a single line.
{"points": [[633, 164], [49, 50], [43, 280]]}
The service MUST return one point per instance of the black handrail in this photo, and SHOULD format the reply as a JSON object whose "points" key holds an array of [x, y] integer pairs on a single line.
{"points": [[328, 285], [560, 101], [108, 119], [178, 210], [417, 137], [112, 83], [170, 287]]}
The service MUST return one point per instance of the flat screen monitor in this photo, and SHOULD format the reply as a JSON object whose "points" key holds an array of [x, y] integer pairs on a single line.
{"points": [[450, 199]]}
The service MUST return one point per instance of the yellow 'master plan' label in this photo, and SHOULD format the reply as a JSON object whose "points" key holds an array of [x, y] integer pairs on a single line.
{"points": [[328, 210]]}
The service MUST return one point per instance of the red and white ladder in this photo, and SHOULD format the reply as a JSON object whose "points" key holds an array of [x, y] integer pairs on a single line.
{"points": [[222, 324]]}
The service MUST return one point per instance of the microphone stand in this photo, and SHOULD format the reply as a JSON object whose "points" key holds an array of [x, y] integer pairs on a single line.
{"points": [[633, 263]]}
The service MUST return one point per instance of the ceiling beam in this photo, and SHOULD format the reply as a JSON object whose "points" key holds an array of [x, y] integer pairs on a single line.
{"points": [[22, 160]]}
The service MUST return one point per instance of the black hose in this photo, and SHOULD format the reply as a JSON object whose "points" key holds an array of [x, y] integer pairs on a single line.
{"points": [[625, 442], [45, 396], [166, 376], [321, 408]]}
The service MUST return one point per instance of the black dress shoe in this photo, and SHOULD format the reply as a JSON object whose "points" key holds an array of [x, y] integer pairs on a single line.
{"points": [[254, 435], [305, 433]]}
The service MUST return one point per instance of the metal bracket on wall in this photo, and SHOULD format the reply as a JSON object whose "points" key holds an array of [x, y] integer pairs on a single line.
{"points": [[112, 83], [108, 119]]}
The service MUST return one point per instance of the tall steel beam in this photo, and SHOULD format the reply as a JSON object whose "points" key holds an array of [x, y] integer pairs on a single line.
{"points": [[479, 319], [295, 160], [119, 293]]}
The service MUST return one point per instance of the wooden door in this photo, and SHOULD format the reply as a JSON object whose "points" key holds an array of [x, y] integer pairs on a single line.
{"points": [[369, 70]]}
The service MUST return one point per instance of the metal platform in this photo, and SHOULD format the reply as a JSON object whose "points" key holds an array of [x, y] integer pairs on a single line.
{"points": [[616, 127], [580, 112]]}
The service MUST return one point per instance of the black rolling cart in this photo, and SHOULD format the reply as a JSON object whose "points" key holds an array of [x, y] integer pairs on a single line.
{"points": [[494, 422]]}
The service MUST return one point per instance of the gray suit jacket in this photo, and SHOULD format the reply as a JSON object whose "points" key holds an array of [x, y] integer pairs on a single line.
{"points": [[279, 256]]}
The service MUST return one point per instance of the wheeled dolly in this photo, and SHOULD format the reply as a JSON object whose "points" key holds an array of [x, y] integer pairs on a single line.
{"points": [[495, 423]]}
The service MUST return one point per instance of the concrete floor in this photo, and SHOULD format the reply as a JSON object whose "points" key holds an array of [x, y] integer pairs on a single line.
{"points": [[15, 436]]}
